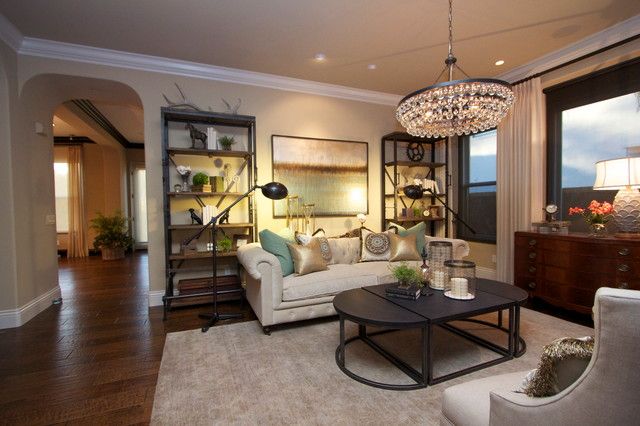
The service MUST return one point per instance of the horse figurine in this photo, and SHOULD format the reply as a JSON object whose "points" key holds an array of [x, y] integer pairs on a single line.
{"points": [[196, 134]]}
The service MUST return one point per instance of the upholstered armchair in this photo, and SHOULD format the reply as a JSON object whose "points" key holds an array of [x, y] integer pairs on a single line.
{"points": [[607, 392]]}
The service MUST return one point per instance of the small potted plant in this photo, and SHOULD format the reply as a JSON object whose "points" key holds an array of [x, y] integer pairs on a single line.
{"points": [[224, 245], [407, 275], [112, 237], [200, 183], [226, 142]]}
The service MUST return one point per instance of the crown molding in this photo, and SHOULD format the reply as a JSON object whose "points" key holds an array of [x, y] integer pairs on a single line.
{"points": [[114, 58], [10, 34], [599, 40]]}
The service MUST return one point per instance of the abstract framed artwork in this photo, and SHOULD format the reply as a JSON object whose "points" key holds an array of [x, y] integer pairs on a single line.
{"points": [[332, 174]]}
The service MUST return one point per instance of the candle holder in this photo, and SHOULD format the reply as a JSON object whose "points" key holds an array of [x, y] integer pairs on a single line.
{"points": [[439, 252], [461, 284]]}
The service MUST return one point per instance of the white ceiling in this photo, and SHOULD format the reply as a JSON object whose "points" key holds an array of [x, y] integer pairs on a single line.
{"points": [[406, 39]]}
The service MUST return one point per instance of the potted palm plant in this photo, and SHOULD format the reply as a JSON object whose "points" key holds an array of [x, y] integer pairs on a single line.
{"points": [[112, 237]]}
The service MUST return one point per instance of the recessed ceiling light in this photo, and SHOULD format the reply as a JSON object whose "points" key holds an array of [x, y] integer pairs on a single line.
{"points": [[372, 66], [499, 62], [320, 57]]}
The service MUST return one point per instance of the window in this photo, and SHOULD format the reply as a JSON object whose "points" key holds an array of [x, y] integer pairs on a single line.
{"points": [[477, 186], [590, 119], [61, 186]]}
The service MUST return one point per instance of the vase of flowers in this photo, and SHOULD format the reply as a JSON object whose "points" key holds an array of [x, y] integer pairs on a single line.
{"points": [[596, 215], [184, 172]]}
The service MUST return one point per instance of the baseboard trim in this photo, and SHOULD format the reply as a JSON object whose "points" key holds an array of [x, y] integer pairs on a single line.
{"points": [[486, 273], [11, 318], [155, 298]]}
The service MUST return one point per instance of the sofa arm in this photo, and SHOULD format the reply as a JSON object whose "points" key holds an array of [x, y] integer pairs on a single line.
{"points": [[252, 255], [460, 247]]}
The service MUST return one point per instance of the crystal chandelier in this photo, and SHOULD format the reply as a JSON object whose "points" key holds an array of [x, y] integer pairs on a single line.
{"points": [[455, 107]]}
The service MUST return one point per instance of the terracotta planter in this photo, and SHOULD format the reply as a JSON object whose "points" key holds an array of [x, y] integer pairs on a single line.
{"points": [[112, 253]]}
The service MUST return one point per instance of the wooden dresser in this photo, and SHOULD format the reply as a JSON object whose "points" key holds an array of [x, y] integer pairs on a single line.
{"points": [[566, 270]]}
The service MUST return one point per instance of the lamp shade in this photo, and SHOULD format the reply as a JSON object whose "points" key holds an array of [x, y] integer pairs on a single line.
{"points": [[274, 190], [618, 173]]}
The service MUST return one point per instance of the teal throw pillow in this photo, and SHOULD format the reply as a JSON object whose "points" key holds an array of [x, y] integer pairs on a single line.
{"points": [[276, 245], [417, 230]]}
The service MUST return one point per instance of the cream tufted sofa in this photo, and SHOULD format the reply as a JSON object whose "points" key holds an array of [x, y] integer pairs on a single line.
{"points": [[276, 299]]}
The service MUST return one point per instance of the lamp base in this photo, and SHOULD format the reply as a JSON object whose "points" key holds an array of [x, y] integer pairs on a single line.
{"points": [[214, 318], [626, 206]]}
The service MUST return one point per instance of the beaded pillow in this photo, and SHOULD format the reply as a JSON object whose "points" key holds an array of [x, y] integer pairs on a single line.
{"points": [[562, 362]]}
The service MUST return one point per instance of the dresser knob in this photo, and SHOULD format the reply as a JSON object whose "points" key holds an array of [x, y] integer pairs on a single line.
{"points": [[623, 285], [532, 242], [624, 252], [624, 268], [532, 285], [532, 255], [532, 269]]}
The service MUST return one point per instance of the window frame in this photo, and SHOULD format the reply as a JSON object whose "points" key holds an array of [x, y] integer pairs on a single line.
{"points": [[463, 187], [618, 80]]}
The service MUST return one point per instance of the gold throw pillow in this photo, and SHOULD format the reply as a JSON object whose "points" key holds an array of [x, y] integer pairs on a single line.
{"points": [[403, 248], [307, 259]]}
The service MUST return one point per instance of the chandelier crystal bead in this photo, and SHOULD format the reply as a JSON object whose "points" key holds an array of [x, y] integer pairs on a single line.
{"points": [[455, 107]]}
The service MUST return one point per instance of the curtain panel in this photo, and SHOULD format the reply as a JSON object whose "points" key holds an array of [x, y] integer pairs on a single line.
{"points": [[78, 246], [520, 172]]}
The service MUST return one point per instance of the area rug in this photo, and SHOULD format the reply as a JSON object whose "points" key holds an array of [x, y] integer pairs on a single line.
{"points": [[234, 374]]}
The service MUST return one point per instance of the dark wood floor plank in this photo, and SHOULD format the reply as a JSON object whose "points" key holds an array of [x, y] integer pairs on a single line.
{"points": [[94, 359]]}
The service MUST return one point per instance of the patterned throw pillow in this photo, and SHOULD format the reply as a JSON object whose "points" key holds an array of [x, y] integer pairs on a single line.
{"points": [[308, 258], [562, 362], [325, 249], [375, 246]]}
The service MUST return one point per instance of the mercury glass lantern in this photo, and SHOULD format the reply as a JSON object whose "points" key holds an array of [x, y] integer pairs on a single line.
{"points": [[461, 283], [439, 253]]}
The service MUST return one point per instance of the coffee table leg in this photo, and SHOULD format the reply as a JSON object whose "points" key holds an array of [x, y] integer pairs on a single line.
{"points": [[516, 331], [500, 318], [512, 335], [427, 354], [342, 353], [362, 330]]}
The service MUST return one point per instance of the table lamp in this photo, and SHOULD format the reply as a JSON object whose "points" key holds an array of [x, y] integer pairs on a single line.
{"points": [[622, 174]]}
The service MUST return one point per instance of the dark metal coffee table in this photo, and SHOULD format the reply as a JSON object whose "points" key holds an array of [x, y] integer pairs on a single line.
{"points": [[369, 306]]}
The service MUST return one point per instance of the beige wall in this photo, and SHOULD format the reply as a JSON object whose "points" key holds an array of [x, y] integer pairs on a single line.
{"points": [[8, 96], [277, 112], [482, 254]]}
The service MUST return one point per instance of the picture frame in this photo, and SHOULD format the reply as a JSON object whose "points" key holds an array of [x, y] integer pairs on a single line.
{"points": [[240, 240], [332, 174]]}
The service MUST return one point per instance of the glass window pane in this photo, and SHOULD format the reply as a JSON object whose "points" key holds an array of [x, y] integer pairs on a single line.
{"points": [[61, 187], [598, 131], [482, 157], [481, 208]]}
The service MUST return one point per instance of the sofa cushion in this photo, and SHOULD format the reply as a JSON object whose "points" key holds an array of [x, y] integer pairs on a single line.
{"points": [[418, 230], [277, 245], [344, 250], [325, 248], [403, 248], [308, 258], [326, 283]]}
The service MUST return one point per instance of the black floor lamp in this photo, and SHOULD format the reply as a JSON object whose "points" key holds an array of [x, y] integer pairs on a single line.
{"points": [[273, 191], [415, 192]]}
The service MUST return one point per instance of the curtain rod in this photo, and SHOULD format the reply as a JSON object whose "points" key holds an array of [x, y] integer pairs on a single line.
{"points": [[580, 58]]}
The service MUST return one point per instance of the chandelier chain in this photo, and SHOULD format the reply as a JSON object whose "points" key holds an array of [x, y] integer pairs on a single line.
{"points": [[450, 27]]}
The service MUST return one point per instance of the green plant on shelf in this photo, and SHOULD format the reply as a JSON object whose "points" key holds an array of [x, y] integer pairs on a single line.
{"points": [[226, 142], [224, 245], [200, 178]]}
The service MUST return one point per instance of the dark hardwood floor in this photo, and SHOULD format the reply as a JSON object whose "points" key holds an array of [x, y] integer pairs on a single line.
{"points": [[94, 359]]}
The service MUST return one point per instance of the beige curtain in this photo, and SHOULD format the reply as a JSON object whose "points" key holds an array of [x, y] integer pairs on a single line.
{"points": [[77, 223], [520, 171]]}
